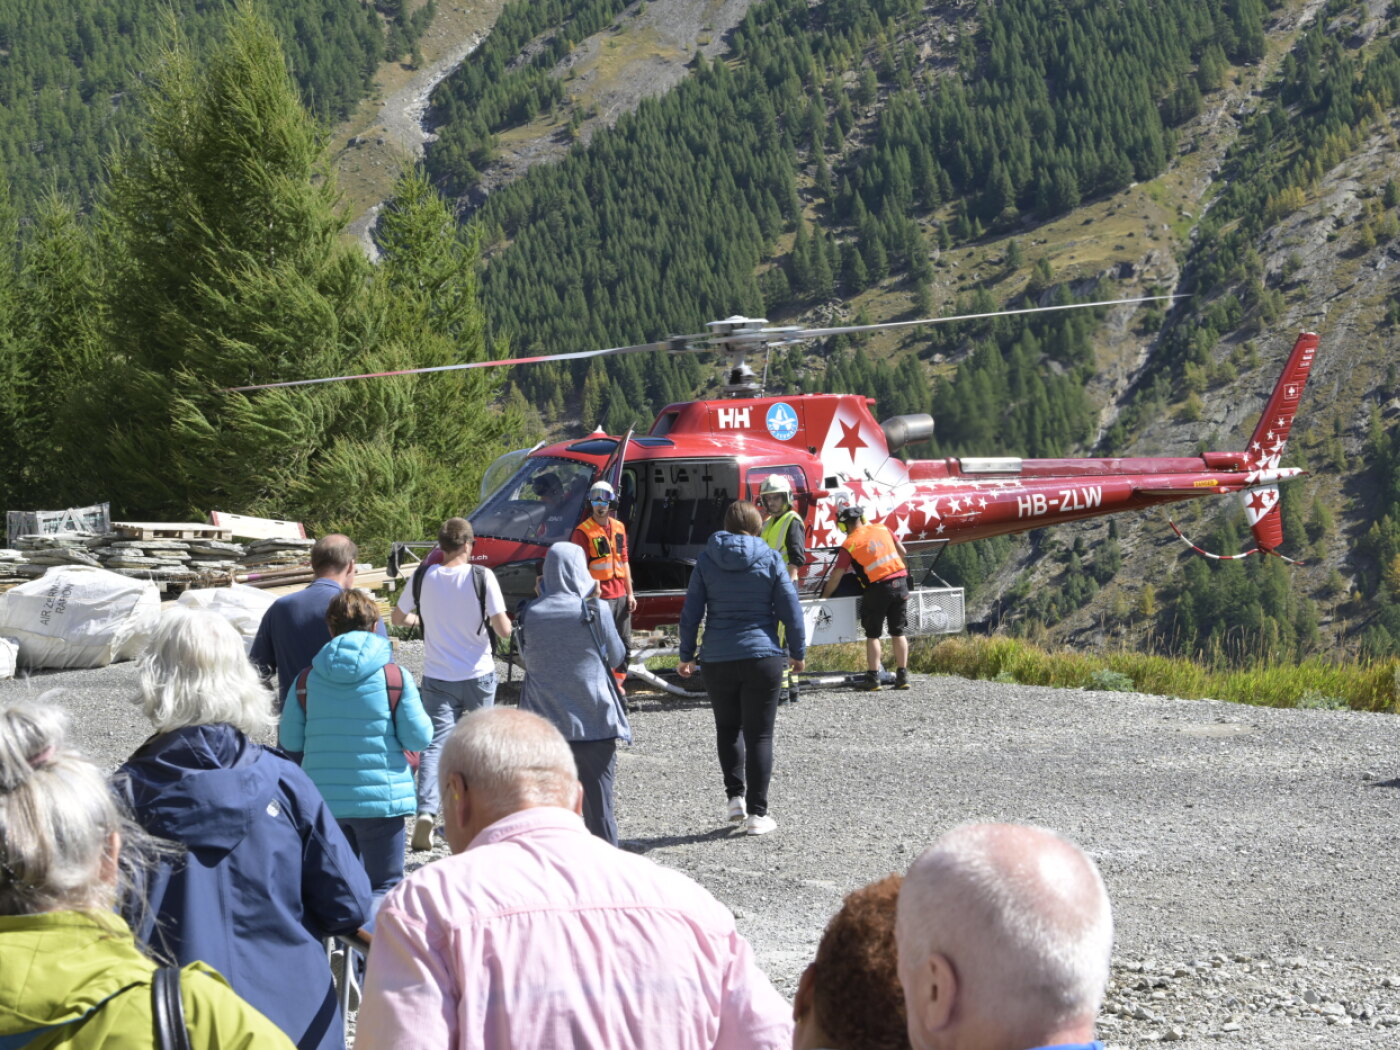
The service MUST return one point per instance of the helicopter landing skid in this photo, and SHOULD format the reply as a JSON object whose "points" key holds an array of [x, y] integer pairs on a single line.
{"points": [[638, 669]]}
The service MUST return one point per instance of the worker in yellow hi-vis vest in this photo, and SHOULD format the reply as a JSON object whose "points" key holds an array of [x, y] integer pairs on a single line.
{"points": [[604, 543], [784, 532]]}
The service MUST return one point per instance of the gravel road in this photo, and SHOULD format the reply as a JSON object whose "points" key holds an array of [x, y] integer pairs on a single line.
{"points": [[1250, 853]]}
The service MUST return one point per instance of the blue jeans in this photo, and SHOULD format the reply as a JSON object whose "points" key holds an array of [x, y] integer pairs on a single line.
{"points": [[445, 703], [378, 842]]}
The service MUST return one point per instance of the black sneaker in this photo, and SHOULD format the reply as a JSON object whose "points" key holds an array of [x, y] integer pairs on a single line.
{"points": [[792, 695], [901, 678], [784, 696], [871, 682]]}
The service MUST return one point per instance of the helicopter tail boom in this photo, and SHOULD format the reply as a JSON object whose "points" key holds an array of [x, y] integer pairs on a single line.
{"points": [[1261, 500]]}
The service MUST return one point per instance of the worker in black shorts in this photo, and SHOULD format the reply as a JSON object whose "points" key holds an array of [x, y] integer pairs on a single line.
{"points": [[877, 558]]}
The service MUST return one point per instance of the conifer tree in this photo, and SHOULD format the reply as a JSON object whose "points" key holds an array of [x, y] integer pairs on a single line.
{"points": [[225, 268], [61, 345], [222, 238], [11, 372], [423, 442]]}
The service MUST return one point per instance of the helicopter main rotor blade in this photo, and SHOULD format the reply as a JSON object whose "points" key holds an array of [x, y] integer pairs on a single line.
{"points": [[674, 342], [798, 335]]}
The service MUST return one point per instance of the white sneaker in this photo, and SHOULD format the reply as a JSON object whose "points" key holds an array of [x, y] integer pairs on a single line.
{"points": [[423, 832], [735, 810], [759, 825]]}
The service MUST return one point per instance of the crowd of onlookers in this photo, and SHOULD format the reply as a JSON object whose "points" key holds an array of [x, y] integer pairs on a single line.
{"points": [[215, 865]]}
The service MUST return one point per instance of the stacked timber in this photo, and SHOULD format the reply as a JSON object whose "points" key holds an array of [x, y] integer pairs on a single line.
{"points": [[175, 557]]}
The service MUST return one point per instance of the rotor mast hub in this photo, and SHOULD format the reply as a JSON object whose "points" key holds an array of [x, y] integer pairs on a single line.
{"points": [[735, 336]]}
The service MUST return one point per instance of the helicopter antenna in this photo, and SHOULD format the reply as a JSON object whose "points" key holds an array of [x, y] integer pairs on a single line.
{"points": [[1230, 557]]}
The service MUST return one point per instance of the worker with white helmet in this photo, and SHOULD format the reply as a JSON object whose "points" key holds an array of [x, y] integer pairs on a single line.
{"points": [[784, 531], [604, 542]]}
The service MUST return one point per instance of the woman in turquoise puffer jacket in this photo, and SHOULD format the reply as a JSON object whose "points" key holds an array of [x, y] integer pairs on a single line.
{"points": [[354, 745]]}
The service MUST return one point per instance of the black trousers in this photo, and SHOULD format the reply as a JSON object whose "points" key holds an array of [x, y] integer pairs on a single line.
{"points": [[744, 698], [622, 620]]}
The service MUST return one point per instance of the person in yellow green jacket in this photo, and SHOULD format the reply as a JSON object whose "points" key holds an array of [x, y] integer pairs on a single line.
{"points": [[72, 976], [784, 531]]}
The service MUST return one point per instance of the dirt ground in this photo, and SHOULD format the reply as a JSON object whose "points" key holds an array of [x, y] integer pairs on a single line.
{"points": [[1250, 853]]}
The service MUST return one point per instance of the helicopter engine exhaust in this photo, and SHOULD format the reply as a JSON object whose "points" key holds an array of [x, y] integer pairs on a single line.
{"points": [[906, 430]]}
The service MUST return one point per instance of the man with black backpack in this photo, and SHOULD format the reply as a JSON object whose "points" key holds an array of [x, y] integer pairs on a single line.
{"points": [[459, 607]]}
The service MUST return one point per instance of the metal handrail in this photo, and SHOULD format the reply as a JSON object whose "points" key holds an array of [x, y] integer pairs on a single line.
{"points": [[354, 947]]}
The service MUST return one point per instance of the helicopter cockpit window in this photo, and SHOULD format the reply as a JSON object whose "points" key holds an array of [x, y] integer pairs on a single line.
{"points": [[540, 503]]}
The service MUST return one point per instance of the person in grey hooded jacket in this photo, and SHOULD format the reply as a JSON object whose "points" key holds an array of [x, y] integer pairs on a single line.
{"points": [[568, 644]]}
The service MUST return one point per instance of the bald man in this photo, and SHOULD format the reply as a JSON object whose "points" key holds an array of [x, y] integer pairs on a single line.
{"points": [[538, 934], [1004, 933]]}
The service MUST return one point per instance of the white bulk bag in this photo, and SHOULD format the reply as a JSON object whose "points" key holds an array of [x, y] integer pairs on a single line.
{"points": [[79, 616], [240, 605], [9, 656]]}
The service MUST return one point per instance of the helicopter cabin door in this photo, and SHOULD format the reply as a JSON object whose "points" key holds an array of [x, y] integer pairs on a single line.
{"points": [[625, 494]]}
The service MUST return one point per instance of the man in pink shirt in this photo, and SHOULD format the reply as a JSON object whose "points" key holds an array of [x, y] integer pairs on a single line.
{"points": [[537, 934]]}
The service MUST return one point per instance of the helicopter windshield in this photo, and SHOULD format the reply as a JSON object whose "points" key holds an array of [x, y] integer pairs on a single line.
{"points": [[540, 503]]}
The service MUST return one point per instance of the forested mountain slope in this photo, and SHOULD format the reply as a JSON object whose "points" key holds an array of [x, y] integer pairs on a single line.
{"points": [[894, 158], [67, 69]]}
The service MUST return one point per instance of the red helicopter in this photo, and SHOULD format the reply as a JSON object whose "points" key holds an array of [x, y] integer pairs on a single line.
{"points": [[674, 481]]}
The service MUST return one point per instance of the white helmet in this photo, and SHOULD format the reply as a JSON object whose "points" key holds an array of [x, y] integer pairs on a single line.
{"points": [[776, 485], [601, 490]]}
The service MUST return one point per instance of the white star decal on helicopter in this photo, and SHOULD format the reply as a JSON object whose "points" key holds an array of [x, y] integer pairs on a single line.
{"points": [[901, 528], [930, 508], [954, 505], [940, 529]]}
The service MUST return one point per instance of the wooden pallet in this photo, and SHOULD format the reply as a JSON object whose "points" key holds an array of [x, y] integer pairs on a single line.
{"points": [[171, 530], [247, 528]]}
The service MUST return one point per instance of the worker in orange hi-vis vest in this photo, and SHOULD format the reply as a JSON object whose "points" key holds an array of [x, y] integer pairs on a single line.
{"points": [[604, 543], [877, 558]]}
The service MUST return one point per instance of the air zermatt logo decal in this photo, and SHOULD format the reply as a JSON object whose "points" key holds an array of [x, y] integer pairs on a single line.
{"points": [[782, 421]]}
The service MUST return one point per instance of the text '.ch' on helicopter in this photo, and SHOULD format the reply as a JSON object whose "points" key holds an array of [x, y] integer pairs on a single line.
{"points": [[675, 481]]}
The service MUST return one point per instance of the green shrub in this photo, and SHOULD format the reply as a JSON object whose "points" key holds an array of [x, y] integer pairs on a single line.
{"points": [[1105, 681]]}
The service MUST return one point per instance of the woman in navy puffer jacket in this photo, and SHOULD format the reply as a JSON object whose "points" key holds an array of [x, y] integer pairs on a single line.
{"points": [[354, 747], [741, 588]]}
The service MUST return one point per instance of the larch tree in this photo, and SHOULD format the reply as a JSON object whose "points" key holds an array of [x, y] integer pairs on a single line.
{"points": [[223, 240], [422, 442], [60, 340], [11, 372], [225, 267]]}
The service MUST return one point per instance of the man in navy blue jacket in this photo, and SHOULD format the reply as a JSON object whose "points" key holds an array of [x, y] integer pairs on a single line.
{"points": [[293, 629]]}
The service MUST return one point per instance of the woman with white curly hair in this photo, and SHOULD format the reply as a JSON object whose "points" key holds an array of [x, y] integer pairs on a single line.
{"points": [[266, 872]]}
